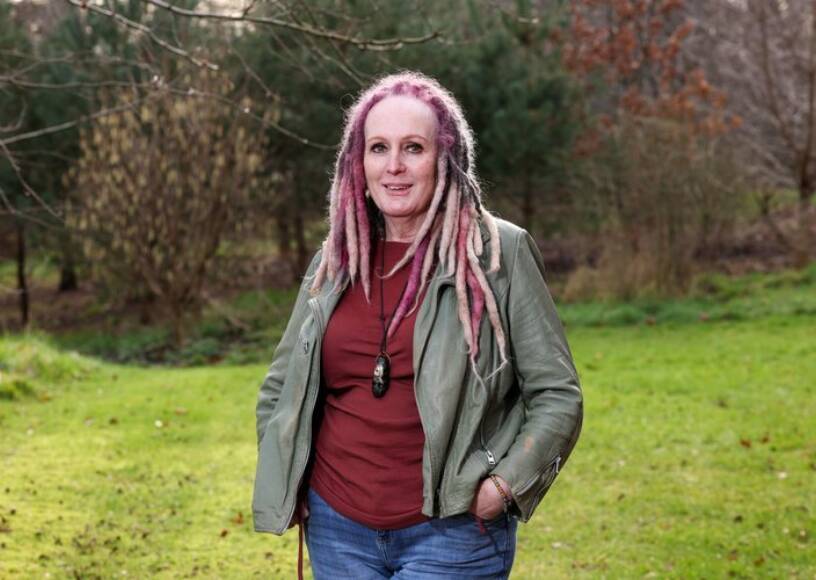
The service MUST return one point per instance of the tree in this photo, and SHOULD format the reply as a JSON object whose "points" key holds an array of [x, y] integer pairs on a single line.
{"points": [[631, 59], [14, 188], [660, 193], [765, 56], [158, 186]]}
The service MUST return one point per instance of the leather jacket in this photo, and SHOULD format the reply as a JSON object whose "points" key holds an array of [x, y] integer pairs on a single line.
{"points": [[521, 424]]}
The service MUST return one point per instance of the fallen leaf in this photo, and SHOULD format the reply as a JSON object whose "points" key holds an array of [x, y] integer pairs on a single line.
{"points": [[224, 533], [180, 411], [238, 520], [745, 443]]}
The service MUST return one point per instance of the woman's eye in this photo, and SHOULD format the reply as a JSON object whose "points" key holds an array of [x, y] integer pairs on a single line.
{"points": [[377, 148], [414, 147]]}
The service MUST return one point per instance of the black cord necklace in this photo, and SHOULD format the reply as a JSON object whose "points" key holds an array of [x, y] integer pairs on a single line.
{"points": [[382, 366]]}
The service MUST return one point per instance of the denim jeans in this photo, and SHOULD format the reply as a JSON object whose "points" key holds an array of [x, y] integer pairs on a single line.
{"points": [[454, 547]]}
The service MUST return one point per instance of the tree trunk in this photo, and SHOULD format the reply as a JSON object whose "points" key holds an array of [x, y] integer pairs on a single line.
{"points": [[68, 278], [22, 284], [179, 326], [300, 243], [527, 206], [302, 252], [284, 232]]}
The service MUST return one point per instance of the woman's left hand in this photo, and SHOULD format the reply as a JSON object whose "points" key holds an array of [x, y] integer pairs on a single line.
{"points": [[488, 503]]}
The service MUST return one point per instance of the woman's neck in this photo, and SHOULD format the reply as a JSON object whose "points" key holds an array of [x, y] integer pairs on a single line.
{"points": [[402, 229]]}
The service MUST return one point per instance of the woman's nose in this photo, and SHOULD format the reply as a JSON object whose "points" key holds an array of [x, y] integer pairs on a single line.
{"points": [[395, 164]]}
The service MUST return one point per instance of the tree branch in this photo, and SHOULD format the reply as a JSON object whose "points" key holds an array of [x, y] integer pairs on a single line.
{"points": [[384, 44], [83, 4]]}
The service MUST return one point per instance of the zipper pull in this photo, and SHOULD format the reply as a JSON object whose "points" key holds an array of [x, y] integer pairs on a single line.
{"points": [[491, 459]]}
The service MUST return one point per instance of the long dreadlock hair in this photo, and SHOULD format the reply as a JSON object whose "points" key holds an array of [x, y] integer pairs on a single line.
{"points": [[449, 231]]}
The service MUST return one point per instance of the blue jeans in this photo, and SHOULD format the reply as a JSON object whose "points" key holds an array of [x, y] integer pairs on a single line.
{"points": [[453, 547]]}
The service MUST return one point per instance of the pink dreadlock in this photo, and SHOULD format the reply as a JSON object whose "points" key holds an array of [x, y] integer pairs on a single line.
{"points": [[450, 230]]}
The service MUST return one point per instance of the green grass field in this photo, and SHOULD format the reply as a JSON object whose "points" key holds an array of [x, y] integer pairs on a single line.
{"points": [[697, 460]]}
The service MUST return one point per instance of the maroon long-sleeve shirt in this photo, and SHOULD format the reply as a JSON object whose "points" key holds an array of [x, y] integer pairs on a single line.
{"points": [[368, 451]]}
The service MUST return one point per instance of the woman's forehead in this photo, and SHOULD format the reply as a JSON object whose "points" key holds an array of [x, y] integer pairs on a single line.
{"points": [[400, 115]]}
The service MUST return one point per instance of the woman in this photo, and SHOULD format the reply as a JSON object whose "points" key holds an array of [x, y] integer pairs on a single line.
{"points": [[424, 397]]}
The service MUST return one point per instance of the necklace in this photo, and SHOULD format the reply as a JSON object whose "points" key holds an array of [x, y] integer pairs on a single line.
{"points": [[382, 365]]}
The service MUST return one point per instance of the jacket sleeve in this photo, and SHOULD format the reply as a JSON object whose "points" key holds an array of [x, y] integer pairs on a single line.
{"points": [[273, 382], [547, 379]]}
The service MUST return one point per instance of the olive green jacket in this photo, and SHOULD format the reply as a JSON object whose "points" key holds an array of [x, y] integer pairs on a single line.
{"points": [[521, 424]]}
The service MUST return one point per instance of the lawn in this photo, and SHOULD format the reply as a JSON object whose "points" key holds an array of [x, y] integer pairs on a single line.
{"points": [[697, 459]]}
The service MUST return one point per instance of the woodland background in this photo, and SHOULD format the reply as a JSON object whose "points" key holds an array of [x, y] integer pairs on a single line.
{"points": [[164, 168]]}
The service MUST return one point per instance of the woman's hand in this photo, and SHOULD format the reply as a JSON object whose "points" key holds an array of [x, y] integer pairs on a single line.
{"points": [[301, 513], [488, 503]]}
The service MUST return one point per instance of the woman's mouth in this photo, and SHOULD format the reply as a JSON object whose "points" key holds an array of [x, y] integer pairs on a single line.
{"points": [[397, 188]]}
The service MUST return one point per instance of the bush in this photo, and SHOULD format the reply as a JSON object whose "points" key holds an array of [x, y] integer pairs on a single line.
{"points": [[159, 185], [659, 193]]}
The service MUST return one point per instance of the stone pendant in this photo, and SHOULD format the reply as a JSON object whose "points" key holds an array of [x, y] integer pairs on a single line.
{"points": [[382, 370]]}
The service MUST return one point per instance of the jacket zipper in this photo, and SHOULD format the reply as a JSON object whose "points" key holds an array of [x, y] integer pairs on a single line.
{"points": [[553, 466], [491, 459], [310, 405]]}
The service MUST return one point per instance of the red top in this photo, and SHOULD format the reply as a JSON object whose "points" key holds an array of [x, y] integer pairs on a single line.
{"points": [[368, 451]]}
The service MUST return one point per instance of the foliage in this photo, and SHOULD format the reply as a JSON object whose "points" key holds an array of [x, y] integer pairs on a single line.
{"points": [[660, 193], [13, 45], [259, 319], [158, 186], [636, 48]]}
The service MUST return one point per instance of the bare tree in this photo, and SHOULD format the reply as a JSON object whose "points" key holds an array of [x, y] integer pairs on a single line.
{"points": [[763, 53]]}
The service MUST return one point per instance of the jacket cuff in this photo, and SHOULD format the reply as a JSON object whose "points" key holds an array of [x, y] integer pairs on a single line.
{"points": [[527, 494], [529, 490]]}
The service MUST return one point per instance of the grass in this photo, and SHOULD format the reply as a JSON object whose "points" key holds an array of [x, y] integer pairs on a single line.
{"points": [[698, 459], [713, 297]]}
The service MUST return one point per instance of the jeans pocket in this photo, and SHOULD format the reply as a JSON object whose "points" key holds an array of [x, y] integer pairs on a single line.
{"points": [[498, 521]]}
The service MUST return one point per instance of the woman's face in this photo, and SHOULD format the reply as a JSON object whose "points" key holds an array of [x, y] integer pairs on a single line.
{"points": [[400, 157]]}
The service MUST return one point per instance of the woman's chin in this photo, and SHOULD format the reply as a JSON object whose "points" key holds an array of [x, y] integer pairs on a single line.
{"points": [[396, 211]]}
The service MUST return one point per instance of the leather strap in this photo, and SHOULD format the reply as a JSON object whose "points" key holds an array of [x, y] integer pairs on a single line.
{"points": [[300, 550]]}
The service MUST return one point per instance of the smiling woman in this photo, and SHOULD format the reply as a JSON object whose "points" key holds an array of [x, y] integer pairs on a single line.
{"points": [[400, 163], [393, 425]]}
